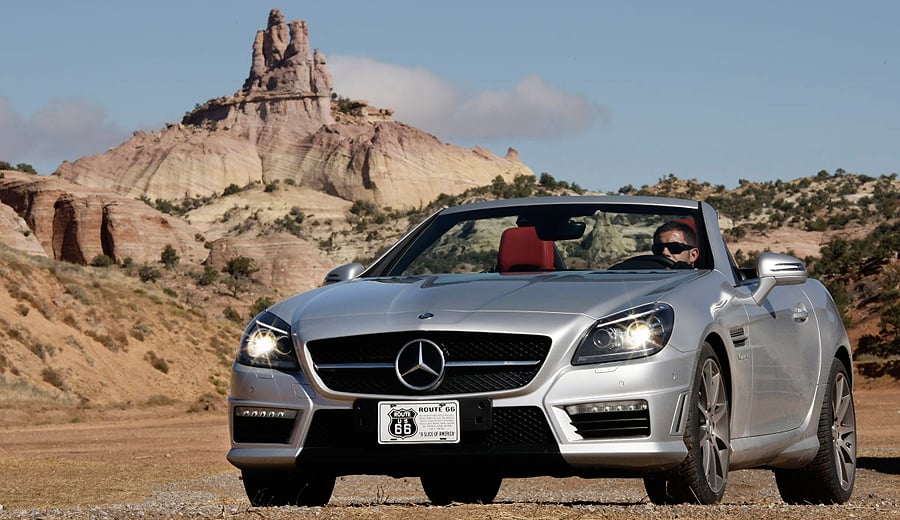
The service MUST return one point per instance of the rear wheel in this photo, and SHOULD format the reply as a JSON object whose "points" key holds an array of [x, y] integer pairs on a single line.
{"points": [[829, 478], [702, 476], [469, 489], [285, 488]]}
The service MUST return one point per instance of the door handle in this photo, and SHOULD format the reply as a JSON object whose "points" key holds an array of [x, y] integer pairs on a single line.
{"points": [[800, 313]]}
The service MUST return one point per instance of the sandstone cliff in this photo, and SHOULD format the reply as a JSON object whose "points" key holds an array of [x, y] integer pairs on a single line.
{"points": [[75, 224], [15, 233], [283, 125]]}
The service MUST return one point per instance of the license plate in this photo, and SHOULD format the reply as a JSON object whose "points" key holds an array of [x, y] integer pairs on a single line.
{"points": [[418, 422]]}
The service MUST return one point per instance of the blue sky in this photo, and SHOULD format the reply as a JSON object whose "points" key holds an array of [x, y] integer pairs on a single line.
{"points": [[602, 94]]}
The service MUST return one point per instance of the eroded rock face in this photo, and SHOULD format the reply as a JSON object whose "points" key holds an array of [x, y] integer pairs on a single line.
{"points": [[283, 125], [284, 261], [15, 233], [76, 224]]}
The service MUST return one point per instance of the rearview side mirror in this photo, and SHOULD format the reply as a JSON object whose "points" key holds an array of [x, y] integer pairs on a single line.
{"points": [[344, 272], [775, 269]]}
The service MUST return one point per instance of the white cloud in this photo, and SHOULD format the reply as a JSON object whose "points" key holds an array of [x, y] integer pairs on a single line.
{"points": [[532, 109], [64, 129]]}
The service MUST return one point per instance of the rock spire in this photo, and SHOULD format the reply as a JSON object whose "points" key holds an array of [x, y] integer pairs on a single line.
{"points": [[286, 65]]}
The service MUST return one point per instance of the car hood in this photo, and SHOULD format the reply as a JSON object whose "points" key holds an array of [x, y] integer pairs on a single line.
{"points": [[593, 294]]}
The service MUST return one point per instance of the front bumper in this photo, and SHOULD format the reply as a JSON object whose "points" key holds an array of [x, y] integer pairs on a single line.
{"points": [[532, 432]]}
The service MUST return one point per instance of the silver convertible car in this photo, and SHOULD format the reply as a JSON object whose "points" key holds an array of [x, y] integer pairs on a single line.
{"points": [[560, 336]]}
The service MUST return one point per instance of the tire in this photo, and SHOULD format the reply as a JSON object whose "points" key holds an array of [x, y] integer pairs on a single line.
{"points": [[829, 478], [280, 488], [472, 489], [702, 476]]}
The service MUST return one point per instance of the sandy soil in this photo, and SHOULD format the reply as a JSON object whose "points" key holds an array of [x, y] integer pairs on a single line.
{"points": [[157, 462]]}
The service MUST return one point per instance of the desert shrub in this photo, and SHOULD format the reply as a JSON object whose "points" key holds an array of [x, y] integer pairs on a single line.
{"points": [[157, 362], [241, 267], [220, 384], [79, 293], [522, 186], [27, 168], [148, 273], [140, 330], [54, 377], [22, 309], [160, 400], [42, 351], [113, 344], [262, 303], [102, 261], [231, 189], [169, 257], [232, 315], [208, 276]]}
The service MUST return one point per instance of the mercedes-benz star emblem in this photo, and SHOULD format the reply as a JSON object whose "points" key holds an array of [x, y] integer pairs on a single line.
{"points": [[420, 365]]}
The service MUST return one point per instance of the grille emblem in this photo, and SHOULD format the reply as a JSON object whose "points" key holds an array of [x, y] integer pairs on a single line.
{"points": [[420, 365], [426, 316]]}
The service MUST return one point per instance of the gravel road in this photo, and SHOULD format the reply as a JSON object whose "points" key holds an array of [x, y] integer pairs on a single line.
{"points": [[146, 466]]}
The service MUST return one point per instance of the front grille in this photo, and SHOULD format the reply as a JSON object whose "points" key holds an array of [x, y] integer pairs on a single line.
{"points": [[518, 443], [605, 425], [475, 362], [512, 427]]}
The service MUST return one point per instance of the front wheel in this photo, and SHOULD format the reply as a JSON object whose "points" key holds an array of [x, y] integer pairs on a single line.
{"points": [[286, 488], [829, 478], [468, 489], [702, 476]]}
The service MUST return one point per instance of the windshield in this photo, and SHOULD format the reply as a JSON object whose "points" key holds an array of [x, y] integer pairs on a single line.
{"points": [[527, 239]]}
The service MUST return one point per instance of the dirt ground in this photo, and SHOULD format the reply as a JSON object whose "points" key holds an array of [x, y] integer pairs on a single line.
{"points": [[156, 463]]}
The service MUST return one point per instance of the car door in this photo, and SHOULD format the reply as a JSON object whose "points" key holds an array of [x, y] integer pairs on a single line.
{"points": [[784, 348]]}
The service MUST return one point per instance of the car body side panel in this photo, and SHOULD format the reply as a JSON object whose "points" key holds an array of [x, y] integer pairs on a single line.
{"points": [[786, 358]]}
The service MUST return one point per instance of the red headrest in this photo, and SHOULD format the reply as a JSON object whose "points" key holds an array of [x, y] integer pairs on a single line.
{"points": [[522, 250]]}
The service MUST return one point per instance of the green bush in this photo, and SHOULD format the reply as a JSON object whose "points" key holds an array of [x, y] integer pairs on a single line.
{"points": [[232, 315], [169, 257], [209, 276], [148, 273], [241, 267], [262, 303], [102, 261]]}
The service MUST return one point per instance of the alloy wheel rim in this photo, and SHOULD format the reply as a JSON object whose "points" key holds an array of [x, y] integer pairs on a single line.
{"points": [[714, 426], [843, 431]]}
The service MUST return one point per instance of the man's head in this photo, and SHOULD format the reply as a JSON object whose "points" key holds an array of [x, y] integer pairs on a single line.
{"points": [[676, 241]]}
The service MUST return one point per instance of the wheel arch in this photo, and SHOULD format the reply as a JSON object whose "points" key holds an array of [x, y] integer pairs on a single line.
{"points": [[718, 346], [843, 354]]}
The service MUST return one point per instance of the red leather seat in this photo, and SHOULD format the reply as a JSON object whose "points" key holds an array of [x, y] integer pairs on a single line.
{"points": [[522, 250]]}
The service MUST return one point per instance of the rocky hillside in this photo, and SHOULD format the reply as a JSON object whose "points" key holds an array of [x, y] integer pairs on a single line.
{"points": [[287, 124], [166, 327]]}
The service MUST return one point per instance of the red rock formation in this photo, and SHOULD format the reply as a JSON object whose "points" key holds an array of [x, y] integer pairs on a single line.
{"points": [[76, 224]]}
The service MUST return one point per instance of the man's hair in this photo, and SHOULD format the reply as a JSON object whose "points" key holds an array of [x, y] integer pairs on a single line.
{"points": [[674, 225]]}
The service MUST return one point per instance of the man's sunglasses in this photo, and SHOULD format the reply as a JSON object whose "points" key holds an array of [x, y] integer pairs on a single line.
{"points": [[674, 247]]}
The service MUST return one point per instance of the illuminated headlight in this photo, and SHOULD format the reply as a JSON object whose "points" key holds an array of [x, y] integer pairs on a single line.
{"points": [[639, 332], [267, 343]]}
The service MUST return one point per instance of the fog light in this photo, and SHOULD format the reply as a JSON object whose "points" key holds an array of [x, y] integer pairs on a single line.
{"points": [[607, 407], [264, 413]]}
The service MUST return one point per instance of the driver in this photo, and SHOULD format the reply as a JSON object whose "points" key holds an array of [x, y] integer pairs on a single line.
{"points": [[676, 241]]}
